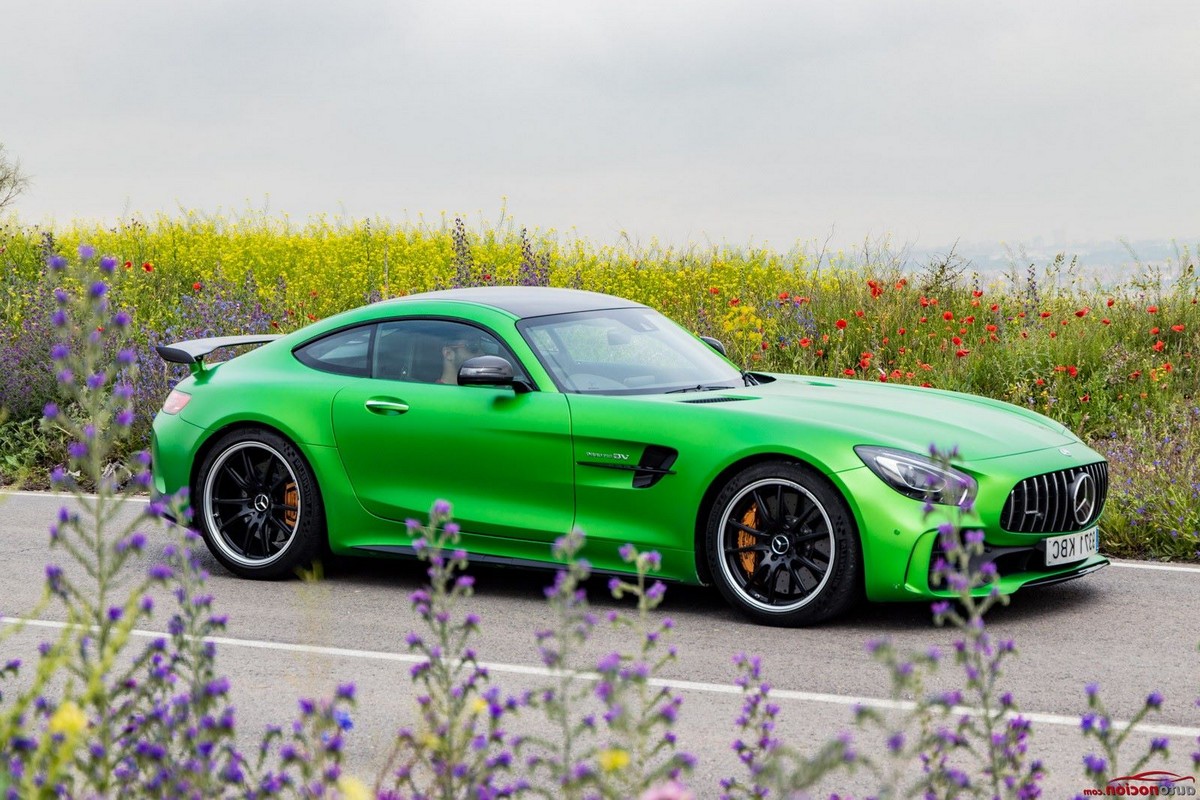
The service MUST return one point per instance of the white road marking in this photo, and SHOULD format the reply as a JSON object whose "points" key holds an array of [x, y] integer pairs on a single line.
{"points": [[1156, 567], [678, 685]]}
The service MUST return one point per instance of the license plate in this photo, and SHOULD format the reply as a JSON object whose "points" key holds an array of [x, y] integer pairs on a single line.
{"points": [[1072, 547]]}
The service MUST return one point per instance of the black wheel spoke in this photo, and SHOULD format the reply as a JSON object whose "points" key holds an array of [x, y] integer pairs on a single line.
{"points": [[284, 507], [242, 482], [280, 481], [807, 518], [747, 529], [767, 519], [279, 524], [813, 567], [811, 537], [797, 582], [750, 548], [772, 581], [239, 501]]}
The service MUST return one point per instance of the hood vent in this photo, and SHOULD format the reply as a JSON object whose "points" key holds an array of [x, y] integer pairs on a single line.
{"points": [[718, 399]]}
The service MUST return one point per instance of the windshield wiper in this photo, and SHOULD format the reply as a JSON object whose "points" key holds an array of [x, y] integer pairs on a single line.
{"points": [[701, 388], [749, 379]]}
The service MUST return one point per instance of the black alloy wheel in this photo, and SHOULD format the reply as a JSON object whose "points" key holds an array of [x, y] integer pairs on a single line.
{"points": [[782, 546], [260, 510]]}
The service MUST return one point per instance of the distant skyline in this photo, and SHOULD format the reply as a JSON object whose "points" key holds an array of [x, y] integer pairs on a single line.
{"points": [[767, 123]]}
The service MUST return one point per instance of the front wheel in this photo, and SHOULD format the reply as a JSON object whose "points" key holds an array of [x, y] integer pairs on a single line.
{"points": [[259, 509], [782, 546]]}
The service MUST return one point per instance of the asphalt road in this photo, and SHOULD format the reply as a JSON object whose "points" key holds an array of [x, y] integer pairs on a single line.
{"points": [[1132, 628]]}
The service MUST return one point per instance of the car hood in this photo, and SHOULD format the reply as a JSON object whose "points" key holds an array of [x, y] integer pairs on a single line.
{"points": [[907, 417]]}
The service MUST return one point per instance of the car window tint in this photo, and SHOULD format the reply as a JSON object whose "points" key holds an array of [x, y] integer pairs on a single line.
{"points": [[417, 349], [345, 352]]}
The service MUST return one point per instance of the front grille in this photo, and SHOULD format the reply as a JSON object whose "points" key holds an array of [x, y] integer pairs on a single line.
{"points": [[1047, 503]]}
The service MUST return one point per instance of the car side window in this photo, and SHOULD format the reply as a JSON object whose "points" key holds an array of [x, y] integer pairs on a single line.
{"points": [[432, 350], [343, 353]]}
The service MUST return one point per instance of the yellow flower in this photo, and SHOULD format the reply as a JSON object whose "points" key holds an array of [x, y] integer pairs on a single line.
{"points": [[479, 706], [352, 788], [69, 719], [430, 741], [613, 759]]}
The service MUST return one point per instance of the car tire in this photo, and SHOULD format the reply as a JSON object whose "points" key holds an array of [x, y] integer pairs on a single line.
{"points": [[258, 505], [795, 567]]}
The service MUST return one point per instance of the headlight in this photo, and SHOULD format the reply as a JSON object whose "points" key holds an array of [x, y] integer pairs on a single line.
{"points": [[918, 476]]}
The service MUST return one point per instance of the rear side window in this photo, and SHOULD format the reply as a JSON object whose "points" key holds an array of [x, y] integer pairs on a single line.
{"points": [[346, 352]]}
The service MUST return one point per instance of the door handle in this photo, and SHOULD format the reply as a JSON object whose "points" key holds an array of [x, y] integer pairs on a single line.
{"points": [[387, 408]]}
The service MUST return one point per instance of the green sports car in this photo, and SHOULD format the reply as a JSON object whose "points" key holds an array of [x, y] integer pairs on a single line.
{"points": [[537, 410]]}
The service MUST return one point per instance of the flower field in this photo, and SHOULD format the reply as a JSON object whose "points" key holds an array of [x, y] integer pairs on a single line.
{"points": [[1114, 362]]}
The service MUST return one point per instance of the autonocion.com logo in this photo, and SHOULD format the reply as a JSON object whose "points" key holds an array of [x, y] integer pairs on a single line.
{"points": [[1156, 783]]}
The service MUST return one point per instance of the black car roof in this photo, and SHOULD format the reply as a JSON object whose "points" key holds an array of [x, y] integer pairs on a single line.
{"points": [[530, 301]]}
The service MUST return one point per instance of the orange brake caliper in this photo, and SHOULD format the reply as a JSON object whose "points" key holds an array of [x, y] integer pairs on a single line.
{"points": [[291, 497], [749, 559]]}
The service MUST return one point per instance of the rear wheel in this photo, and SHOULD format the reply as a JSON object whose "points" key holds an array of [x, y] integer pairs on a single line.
{"points": [[782, 546], [259, 510]]}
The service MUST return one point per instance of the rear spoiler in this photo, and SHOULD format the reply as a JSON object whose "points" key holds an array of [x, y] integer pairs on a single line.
{"points": [[193, 351]]}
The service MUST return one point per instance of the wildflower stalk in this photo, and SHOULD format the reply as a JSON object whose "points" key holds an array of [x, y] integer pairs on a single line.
{"points": [[641, 749], [460, 749], [563, 759]]}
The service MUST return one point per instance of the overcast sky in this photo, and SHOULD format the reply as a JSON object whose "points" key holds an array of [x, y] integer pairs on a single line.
{"points": [[741, 122]]}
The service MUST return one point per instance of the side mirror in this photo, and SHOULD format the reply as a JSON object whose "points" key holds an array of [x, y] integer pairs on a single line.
{"points": [[715, 344], [489, 371]]}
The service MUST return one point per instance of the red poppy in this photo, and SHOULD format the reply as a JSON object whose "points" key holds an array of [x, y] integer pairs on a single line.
{"points": [[948, 315], [1133, 376], [766, 345], [1106, 321], [1158, 346], [713, 290], [805, 342], [927, 385], [1109, 302], [734, 301], [962, 353], [840, 324], [128, 265], [901, 331], [1177, 328], [274, 324], [990, 328], [1152, 309], [924, 301], [995, 306], [859, 314], [196, 286], [900, 284], [1044, 314], [977, 293], [1085, 398], [146, 265], [1154, 331], [956, 341], [1082, 312], [847, 371], [783, 295], [1040, 382], [1072, 371], [924, 319]]}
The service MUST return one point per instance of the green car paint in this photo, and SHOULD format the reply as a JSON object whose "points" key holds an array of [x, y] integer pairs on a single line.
{"points": [[634, 451]]}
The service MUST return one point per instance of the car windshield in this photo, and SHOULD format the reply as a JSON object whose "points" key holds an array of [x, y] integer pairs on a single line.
{"points": [[625, 351]]}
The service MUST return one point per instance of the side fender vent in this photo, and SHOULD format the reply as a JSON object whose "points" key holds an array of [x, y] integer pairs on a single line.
{"points": [[656, 462]]}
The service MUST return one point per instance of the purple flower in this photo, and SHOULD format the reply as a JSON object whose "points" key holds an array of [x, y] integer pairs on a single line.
{"points": [[441, 508], [61, 296], [59, 351], [1154, 700], [609, 662], [65, 376], [115, 613], [86, 252], [124, 418], [1094, 764], [57, 262], [627, 552], [160, 572], [77, 450], [656, 591], [50, 412], [1091, 689], [108, 263], [345, 691], [343, 720], [96, 380], [653, 559], [121, 319], [126, 357], [98, 289]]}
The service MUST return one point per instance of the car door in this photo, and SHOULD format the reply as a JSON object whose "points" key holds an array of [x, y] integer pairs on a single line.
{"points": [[407, 438]]}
